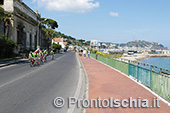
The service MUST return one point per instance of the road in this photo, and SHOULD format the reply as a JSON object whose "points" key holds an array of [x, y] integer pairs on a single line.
{"points": [[25, 89]]}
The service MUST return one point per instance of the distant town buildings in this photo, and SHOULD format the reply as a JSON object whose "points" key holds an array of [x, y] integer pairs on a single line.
{"points": [[60, 41], [132, 46], [95, 43], [163, 51]]}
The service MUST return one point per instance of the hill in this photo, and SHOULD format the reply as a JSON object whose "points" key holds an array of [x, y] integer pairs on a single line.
{"points": [[143, 44]]}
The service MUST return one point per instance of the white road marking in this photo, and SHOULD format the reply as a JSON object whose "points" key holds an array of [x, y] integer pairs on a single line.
{"points": [[31, 72]]}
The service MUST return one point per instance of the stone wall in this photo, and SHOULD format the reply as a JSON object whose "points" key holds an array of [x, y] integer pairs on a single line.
{"points": [[24, 8], [24, 26], [8, 5], [27, 32]]}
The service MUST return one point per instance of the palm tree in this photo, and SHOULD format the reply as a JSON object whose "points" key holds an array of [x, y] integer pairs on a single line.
{"points": [[6, 18]]}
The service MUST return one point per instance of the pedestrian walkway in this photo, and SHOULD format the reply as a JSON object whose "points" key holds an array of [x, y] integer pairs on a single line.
{"points": [[105, 82]]}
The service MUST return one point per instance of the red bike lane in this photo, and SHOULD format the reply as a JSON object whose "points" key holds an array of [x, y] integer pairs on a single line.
{"points": [[105, 82]]}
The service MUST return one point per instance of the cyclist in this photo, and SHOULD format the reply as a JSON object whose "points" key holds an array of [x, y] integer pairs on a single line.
{"points": [[37, 56], [52, 55], [32, 58], [45, 55], [41, 53], [41, 56]]}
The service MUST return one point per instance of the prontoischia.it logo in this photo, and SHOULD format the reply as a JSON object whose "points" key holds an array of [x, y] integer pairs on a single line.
{"points": [[107, 103]]}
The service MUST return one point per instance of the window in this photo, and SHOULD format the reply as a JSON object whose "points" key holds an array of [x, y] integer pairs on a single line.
{"points": [[30, 41], [1, 2], [35, 41]]}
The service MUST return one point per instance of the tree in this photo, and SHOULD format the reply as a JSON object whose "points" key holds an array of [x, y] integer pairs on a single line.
{"points": [[116, 47], [56, 47], [67, 47], [49, 32], [4, 16], [87, 43], [49, 23], [1, 14]]}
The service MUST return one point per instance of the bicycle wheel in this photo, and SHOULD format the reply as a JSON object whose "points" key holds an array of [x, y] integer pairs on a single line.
{"points": [[31, 63]]}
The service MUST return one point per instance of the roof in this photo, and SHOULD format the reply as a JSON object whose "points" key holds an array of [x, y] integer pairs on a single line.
{"points": [[65, 43], [58, 39]]}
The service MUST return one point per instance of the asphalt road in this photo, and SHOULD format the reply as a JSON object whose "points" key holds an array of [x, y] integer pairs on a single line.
{"points": [[25, 89]]}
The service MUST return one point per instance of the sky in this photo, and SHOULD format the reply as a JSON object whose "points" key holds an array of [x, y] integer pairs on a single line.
{"points": [[117, 21]]}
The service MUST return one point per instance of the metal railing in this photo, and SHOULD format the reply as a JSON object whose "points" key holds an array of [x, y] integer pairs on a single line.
{"points": [[156, 78]]}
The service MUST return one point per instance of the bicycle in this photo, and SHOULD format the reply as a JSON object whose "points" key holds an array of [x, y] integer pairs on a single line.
{"points": [[32, 62], [37, 60], [52, 56], [45, 58], [41, 60]]}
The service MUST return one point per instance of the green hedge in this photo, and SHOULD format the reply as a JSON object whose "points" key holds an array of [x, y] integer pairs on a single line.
{"points": [[6, 47]]}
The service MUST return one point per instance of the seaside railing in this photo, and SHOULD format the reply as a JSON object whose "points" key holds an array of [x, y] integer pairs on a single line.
{"points": [[155, 78]]}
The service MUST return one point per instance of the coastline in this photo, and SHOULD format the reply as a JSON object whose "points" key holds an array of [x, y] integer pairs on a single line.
{"points": [[140, 57], [159, 62]]}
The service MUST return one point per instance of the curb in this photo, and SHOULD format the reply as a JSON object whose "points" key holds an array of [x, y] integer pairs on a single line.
{"points": [[86, 96], [12, 62]]}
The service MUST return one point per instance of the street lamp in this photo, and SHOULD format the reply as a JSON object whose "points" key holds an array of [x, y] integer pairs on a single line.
{"points": [[39, 42], [44, 20]]}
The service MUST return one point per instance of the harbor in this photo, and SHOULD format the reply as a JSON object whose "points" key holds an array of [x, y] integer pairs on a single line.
{"points": [[135, 54]]}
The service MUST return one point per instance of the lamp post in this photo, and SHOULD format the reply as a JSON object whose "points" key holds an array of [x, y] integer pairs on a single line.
{"points": [[39, 41]]}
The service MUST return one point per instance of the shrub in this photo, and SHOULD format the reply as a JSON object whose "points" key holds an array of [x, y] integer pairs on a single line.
{"points": [[109, 55], [1, 14], [6, 47], [93, 51], [67, 47], [56, 47]]}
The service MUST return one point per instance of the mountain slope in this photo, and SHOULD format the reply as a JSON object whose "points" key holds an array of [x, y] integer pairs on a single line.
{"points": [[143, 44]]}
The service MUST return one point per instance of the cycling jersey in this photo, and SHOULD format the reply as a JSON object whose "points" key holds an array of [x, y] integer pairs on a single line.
{"points": [[45, 52], [36, 54], [41, 53], [52, 52], [32, 55]]}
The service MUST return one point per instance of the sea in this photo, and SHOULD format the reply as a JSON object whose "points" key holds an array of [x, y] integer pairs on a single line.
{"points": [[163, 62]]}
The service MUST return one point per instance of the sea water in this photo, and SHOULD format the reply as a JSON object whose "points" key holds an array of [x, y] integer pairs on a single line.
{"points": [[163, 62]]}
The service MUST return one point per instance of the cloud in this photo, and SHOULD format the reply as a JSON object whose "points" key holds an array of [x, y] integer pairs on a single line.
{"points": [[75, 6], [113, 14]]}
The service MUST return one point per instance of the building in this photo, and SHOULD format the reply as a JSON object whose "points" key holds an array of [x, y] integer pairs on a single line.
{"points": [[23, 25], [59, 41], [163, 51], [94, 43]]}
